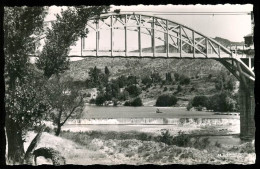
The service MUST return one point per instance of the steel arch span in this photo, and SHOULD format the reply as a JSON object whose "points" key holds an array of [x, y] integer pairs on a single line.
{"points": [[179, 41]]}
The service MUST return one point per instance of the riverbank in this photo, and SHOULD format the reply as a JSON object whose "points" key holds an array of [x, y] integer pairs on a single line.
{"points": [[136, 148]]}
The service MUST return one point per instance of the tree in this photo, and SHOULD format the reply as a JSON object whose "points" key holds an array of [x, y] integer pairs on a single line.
{"points": [[146, 80], [107, 71], [166, 100], [100, 99], [22, 103], [65, 31], [224, 82], [133, 90], [65, 100], [96, 77], [156, 78], [200, 101]]}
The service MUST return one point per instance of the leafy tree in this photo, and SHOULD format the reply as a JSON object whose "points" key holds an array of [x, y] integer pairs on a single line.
{"points": [[65, 100], [133, 90], [23, 107], [224, 82], [122, 81], [222, 102], [200, 101], [65, 31], [146, 80], [176, 76], [100, 99], [156, 78], [123, 95], [166, 100], [137, 102], [97, 78], [184, 80], [131, 80]]}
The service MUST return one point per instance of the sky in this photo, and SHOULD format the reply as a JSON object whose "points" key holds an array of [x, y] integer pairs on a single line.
{"points": [[232, 27]]}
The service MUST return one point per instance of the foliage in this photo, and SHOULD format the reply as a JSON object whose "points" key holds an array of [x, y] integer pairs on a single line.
{"points": [[166, 137], [146, 80], [166, 100], [176, 76], [96, 78], [181, 140], [107, 71], [100, 99], [133, 90], [131, 80], [65, 100], [121, 81], [123, 95], [136, 102], [24, 106], [92, 101], [200, 101], [184, 80], [224, 82], [179, 88], [222, 102], [168, 77], [65, 31], [156, 78]]}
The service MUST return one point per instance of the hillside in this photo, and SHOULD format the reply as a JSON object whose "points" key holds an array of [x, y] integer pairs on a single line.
{"points": [[197, 69]]}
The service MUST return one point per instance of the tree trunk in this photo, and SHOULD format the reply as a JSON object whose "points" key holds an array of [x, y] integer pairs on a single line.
{"points": [[15, 142], [57, 133]]}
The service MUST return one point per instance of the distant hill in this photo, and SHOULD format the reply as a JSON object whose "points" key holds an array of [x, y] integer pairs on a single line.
{"points": [[142, 67], [226, 42]]}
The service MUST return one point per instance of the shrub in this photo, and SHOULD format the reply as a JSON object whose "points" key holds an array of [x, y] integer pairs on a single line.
{"points": [[100, 100], [146, 80], [166, 137], [181, 140], [136, 102], [184, 80], [92, 101], [133, 90], [127, 103], [222, 102], [166, 100], [200, 101]]}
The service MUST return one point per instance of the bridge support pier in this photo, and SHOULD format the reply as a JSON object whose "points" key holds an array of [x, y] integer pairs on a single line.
{"points": [[247, 110]]}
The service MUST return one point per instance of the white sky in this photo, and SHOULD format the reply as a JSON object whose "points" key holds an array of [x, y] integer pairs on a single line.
{"points": [[232, 27]]}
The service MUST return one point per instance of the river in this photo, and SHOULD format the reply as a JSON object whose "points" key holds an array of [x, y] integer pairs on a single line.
{"points": [[145, 119]]}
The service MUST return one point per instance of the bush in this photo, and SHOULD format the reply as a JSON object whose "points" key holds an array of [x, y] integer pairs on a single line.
{"points": [[133, 90], [222, 102], [166, 100], [92, 101], [181, 140], [200, 101], [184, 80], [100, 100], [136, 102], [166, 137]]}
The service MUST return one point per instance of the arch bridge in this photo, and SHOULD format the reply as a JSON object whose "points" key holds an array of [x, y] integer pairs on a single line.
{"points": [[178, 41]]}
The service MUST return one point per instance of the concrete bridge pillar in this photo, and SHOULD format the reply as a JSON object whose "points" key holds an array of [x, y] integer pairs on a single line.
{"points": [[247, 110]]}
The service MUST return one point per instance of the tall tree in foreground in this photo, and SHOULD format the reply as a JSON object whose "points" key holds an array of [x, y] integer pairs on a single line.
{"points": [[23, 106], [65, 31], [65, 100]]}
